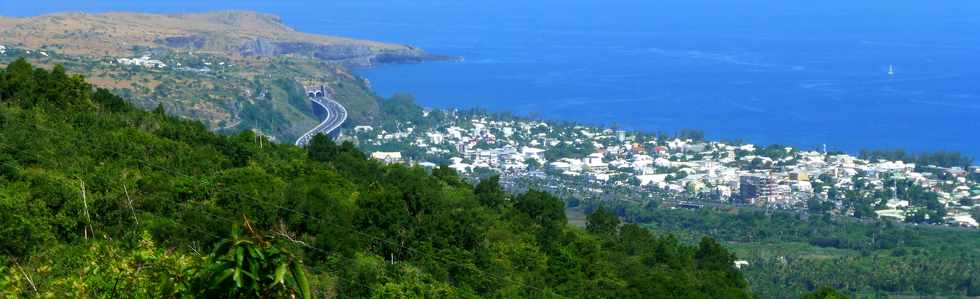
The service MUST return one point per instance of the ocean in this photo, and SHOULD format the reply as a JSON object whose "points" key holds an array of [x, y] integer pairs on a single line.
{"points": [[802, 73]]}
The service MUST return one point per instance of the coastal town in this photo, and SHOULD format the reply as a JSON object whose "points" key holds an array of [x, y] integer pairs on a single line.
{"points": [[590, 161], [684, 170]]}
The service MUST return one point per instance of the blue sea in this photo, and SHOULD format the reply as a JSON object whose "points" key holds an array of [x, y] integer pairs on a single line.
{"points": [[804, 73]]}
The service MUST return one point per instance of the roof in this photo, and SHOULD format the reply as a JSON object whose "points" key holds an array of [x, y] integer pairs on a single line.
{"points": [[386, 155]]}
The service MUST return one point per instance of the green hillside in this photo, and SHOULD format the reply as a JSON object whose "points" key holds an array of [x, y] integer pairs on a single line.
{"points": [[266, 96], [231, 70], [102, 199]]}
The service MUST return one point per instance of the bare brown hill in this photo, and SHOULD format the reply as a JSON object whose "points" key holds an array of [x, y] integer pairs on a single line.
{"points": [[235, 33]]}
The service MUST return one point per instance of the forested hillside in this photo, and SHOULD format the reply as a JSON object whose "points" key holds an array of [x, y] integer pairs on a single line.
{"points": [[790, 254], [101, 199]]}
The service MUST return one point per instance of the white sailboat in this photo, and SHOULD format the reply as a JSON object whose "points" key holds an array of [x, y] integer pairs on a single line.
{"points": [[891, 70]]}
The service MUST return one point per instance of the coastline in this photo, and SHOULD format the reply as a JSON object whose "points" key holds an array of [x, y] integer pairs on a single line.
{"points": [[360, 72]]}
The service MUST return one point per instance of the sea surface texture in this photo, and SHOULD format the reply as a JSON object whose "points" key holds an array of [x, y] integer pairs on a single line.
{"points": [[848, 74]]}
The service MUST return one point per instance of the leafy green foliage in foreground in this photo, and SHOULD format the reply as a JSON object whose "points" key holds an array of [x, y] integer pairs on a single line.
{"points": [[103, 200]]}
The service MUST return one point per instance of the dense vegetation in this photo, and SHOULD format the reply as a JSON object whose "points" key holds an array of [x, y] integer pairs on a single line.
{"points": [[104, 200], [790, 253], [863, 199], [941, 158]]}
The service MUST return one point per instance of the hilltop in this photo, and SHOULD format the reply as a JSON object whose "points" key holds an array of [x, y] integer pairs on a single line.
{"points": [[235, 33], [232, 70]]}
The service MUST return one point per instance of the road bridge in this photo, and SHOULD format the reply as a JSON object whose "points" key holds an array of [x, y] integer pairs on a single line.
{"points": [[332, 115]]}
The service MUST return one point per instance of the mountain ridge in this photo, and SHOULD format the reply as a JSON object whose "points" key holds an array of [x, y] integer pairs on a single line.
{"points": [[234, 33]]}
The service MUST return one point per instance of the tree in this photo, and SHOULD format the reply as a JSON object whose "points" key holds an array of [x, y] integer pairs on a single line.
{"points": [[18, 82], [757, 163], [322, 149], [634, 238], [533, 164], [711, 255], [159, 110], [541, 207], [448, 175], [25, 223], [401, 106], [489, 193], [249, 266], [692, 134], [110, 101], [383, 215], [974, 285], [250, 191], [825, 293], [545, 212], [817, 206], [602, 222], [863, 210], [328, 195]]}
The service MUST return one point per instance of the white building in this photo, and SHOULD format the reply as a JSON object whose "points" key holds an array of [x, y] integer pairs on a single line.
{"points": [[568, 164], [560, 166], [436, 138], [533, 153], [964, 220], [144, 61], [601, 177], [647, 179], [508, 132], [642, 161], [594, 163], [387, 157]]}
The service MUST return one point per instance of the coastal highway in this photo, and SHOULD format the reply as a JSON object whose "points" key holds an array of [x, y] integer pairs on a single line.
{"points": [[336, 115]]}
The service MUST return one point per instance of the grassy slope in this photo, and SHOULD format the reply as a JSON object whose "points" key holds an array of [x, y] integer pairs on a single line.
{"points": [[116, 33]]}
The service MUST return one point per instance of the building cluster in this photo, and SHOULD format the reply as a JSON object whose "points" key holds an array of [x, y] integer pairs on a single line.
{"points": [[144, 61], [729, 173]]}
